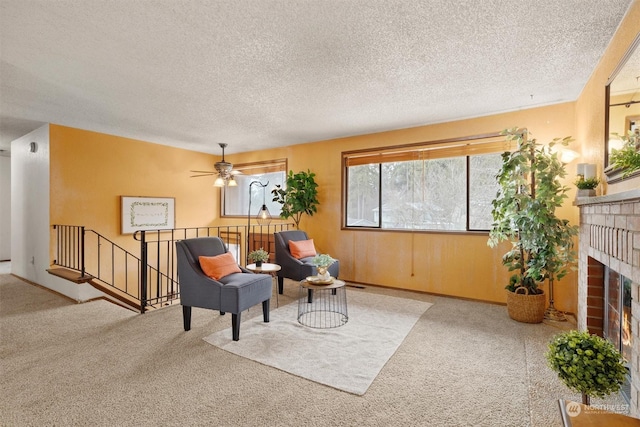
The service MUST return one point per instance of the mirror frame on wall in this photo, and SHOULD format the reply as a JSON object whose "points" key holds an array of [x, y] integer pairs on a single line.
{"points": [[615, 175]]}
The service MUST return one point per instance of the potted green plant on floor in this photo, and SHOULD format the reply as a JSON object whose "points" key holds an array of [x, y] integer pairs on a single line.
{"points": [[299, 196], [259, 256], [587, 364], [524, 213]]}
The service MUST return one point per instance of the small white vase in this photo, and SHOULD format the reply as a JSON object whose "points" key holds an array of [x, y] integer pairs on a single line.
{"points": [[323, 273]]}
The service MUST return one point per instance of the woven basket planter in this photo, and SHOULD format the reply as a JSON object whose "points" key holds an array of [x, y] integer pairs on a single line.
{"points": [[526, 308]]}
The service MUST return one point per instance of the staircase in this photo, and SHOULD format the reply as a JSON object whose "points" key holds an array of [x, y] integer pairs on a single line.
{"points": [[127, 301]]}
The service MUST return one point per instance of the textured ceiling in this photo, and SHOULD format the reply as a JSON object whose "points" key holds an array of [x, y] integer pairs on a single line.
{"points": [[265, 73]]}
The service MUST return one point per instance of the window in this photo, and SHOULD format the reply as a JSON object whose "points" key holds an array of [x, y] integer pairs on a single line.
{"points": [[444, 185], [482, 189], [235, 200]]}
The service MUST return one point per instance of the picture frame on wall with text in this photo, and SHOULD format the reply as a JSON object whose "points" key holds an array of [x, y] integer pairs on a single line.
{"points": [[147, 213]]}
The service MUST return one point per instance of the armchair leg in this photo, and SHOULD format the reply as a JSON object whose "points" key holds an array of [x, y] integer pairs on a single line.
{"points": [[280, 285], [310, 296], [265, 310], [235, 325], [186, 317]]}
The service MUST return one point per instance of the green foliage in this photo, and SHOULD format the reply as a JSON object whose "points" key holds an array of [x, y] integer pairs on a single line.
{"points": [[586, 363], [258, 255], [298, 197], [523, 212], [322, 260], [628, 157], [587, 184]]}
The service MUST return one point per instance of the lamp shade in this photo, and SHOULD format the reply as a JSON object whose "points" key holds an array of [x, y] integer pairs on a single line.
{"points": [[263, 217], [568, 156]]}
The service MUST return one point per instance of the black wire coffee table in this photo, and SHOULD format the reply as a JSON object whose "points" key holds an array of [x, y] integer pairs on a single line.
{"points": [[322, 305]]}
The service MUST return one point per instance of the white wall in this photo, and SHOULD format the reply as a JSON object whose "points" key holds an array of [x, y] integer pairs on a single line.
{"points": [[30, 225], [5, 208], [30, 206]]}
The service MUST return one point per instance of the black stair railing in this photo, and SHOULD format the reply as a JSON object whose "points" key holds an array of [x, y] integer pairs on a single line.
{"points": [[92, 254], [156, 285], [70, 247], [159, 281]]}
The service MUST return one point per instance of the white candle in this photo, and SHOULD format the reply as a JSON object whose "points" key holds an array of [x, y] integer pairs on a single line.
{"points": [[589, 171]]}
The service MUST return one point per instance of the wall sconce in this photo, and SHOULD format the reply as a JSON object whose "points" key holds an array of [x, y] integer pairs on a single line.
{"points": [[567, 155], [33, 147], [263, 217]]}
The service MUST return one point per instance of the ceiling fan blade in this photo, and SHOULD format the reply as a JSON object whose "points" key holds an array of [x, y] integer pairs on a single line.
{"points": [[236, 172], [204, 174]]}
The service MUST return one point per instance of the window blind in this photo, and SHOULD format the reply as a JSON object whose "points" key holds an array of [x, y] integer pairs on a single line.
{"points": [[475, 145], [260, 168]]}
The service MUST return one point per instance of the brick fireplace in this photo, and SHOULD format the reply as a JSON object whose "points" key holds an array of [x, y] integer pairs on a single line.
{"points": [[609, 253]]}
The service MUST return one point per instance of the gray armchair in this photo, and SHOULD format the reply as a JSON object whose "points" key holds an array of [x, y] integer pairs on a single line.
{"points": [[293, 268], [233, 293]]}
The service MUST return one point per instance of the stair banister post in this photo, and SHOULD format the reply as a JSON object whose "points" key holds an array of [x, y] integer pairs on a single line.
{"points": [[143, 272], [82, 269]]}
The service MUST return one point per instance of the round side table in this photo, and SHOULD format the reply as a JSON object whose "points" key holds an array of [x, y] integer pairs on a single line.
{"points": [[322, 306], [266, 268]]}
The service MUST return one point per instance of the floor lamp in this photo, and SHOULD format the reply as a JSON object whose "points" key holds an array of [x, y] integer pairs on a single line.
{"points": [[263, 217]]}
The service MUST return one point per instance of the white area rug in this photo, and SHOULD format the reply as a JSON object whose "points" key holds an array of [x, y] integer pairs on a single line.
{"points": [[347, 358]]}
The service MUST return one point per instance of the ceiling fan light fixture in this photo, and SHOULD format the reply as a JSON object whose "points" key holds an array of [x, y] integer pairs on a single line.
{"points": [[224, 170]]}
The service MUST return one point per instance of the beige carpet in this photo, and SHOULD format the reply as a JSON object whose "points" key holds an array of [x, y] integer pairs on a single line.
{"points": [[95, 364], [348, 357]]}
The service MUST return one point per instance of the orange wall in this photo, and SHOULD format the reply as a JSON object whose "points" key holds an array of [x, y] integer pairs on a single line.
{"points": [[445, 263], [90, 171]]}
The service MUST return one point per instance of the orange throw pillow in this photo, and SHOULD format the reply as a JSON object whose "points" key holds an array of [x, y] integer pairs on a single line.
{"points": [[219, 266], [302, 248]]}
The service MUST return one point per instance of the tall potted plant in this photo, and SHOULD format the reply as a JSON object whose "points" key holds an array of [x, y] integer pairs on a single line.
{"points": [[298, 197], [524, 213]]}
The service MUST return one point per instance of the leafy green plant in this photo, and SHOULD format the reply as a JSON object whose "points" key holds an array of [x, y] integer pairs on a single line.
{"points": [[627, 158], [523, 212], [586, 363], [587, 184], [322, 260], [259, 255], [298, 197]]}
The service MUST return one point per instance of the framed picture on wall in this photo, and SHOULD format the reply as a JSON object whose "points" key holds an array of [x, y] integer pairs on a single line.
{"points": [[147, 213]]}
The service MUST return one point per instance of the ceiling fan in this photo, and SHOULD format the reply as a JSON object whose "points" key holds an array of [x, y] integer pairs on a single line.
{"points": [[223, 169]]}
